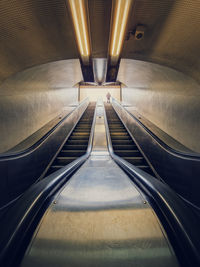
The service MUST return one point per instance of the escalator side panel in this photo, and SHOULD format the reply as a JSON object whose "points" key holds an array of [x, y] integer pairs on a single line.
{"points": [[19, 172], [179, 170], [76, 144], [123, 144]]}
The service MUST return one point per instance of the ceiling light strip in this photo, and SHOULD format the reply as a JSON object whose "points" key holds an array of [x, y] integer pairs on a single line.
{"points": [[121, 10], [79, 18]]}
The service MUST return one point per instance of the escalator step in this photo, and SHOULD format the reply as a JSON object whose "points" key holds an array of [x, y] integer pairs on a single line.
{"points": [[64, 160], [71, 153], [143, 167], [115, 123], [80, 133], [122, 142], [78, 137], [75, 147], [122, 137], [117, 131], [135, 160], [117, 128], [128, 153], [124, 147], [119, 134], [82, 129], [84, 124], [78, 142]]}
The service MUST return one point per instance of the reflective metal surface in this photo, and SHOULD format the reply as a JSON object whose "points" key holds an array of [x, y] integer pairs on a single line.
{"points": [[99, 69], [99, 219], [180, 170], [100, 142], [20, 170]]}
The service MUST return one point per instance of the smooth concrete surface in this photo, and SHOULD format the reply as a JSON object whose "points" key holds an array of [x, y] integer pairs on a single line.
{"points": [[36, 136], [34, 33], [163, 136], [167, 98], [30, 99], [171, 34]]}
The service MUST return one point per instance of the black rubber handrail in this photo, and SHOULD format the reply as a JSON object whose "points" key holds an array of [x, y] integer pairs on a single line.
{"points": [[186, 155], [178, 220], [19, 223], [11, 155]]}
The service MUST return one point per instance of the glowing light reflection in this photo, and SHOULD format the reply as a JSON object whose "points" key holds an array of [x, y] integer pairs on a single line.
{"points": [[79, 17]]}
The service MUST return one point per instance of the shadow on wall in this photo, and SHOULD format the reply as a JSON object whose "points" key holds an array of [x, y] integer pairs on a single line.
{"points": [[168, 98], [29, 99]]}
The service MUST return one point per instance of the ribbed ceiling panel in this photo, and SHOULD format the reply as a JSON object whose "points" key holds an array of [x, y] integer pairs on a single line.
{"points": [[37, 32], [33, 33], [172, 34], [99, 13]]}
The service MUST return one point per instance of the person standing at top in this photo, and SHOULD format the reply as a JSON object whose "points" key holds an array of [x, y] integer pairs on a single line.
{"points": [[108, 97]]}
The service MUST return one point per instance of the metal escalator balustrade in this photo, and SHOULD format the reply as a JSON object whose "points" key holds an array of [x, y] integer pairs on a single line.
{"points": [[19, 223], [101, 197], [77, 143], [122, 142]]}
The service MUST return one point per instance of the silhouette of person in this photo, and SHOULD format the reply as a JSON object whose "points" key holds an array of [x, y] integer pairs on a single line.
{"points": [[108, 97]]}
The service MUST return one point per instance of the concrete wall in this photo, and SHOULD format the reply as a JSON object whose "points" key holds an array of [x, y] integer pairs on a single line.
{"points": [[29, 99], [168, 98]]}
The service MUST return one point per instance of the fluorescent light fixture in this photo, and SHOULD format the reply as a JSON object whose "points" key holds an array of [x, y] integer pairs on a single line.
{"points": [[120, 14], [79, 18]]}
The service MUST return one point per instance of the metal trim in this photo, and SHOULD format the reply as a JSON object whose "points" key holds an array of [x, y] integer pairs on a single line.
{"points": [[30, 208], [24, 152], [179, 221], [171, 150]]}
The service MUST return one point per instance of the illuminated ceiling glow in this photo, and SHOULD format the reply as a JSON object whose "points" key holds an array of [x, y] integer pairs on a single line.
{"points": [[79, 18], [121, 10]]}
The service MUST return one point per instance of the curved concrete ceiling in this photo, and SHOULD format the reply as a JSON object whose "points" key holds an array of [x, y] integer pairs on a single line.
{"points": [[55, 75], [33, 32], [37, 32], [172, 35], [99, 15]]}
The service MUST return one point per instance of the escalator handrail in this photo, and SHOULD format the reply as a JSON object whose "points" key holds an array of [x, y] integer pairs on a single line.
{"points": [[91, 138], [171, 150], [15, 225], [177, 216], [12, 155]]}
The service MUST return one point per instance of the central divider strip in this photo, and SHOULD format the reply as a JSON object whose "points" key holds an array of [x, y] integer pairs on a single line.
{"points": [[100, 146]]}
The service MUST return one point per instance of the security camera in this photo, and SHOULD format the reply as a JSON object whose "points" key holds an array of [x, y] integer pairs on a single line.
{"points": [[139, 32]]}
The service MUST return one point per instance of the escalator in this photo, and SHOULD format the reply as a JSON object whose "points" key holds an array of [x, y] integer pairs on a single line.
{"points": [[123, 144], [77, 143], [100, 212]]}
